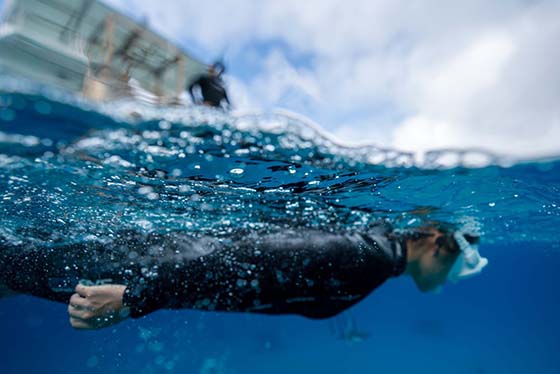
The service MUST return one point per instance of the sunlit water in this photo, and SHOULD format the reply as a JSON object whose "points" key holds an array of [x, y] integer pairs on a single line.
{"points": [[72, 171]]}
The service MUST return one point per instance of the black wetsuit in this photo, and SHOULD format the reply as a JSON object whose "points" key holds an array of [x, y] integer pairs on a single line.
{"points": [[308, 272], [212, 90]]}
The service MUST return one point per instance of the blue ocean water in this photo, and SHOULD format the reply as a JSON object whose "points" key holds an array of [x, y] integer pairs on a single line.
{"points": [[71, 170]]}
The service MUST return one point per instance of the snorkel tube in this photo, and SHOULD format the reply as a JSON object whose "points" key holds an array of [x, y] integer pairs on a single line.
{"points": [[469, 262]]}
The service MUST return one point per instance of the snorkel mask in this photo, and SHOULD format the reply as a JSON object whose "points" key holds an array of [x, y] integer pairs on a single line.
{"points": [[469, 262]]}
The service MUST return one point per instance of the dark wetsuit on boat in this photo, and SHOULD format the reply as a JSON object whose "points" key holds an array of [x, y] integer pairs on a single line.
{"points": [[212, 90], [313, 273]]}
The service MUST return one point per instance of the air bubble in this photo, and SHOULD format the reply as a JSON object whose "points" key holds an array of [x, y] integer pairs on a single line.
{"points": [[237, 171], [164, 125]]}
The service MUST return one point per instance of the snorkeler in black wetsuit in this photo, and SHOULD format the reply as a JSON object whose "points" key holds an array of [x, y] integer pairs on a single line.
{"points": [[313, 273], [307, 272], [211, 87]]}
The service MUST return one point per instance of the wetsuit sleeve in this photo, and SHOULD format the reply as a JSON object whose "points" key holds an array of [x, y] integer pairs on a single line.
{"points": [[311, 273]]}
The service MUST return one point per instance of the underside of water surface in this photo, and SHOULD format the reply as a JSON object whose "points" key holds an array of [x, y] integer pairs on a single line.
{"points": [[69, 170]]}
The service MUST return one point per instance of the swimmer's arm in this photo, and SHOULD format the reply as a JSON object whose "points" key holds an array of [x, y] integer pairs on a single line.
{"points": [[314, 274]]}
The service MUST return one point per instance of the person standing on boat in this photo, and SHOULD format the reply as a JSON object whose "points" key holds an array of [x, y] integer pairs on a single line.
{"points": [[211, 87]]}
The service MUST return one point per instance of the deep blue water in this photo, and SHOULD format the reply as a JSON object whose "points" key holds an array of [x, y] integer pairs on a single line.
{"points": [[70, 170]]}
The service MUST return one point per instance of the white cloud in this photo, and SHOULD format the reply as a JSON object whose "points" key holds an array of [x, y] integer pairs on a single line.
{"points": [[414, 75], [283, 83], [498, 92], [464, 75]]}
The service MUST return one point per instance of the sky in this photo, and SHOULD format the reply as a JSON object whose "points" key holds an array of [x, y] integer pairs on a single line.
{"points": [[412, 75]]}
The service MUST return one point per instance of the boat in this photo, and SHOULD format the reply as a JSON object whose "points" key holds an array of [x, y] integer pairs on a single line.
{"points": [[89, 48]]}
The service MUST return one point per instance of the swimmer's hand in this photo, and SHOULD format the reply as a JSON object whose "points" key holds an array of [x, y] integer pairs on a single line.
{"points": [[96, 307]]}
